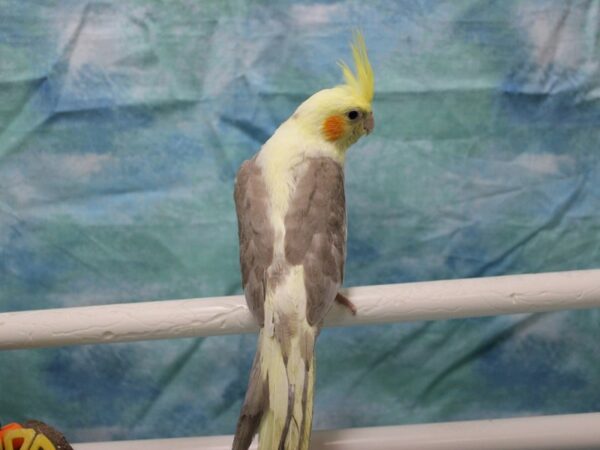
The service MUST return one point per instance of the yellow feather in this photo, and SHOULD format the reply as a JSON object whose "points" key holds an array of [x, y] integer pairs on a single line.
{"points": [[361, 84]]}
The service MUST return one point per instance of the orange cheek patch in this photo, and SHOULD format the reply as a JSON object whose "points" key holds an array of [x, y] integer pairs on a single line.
{"points": [[333, 128]]}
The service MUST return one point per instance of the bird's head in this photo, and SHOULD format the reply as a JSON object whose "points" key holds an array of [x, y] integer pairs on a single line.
{"points": [[343, 114]]}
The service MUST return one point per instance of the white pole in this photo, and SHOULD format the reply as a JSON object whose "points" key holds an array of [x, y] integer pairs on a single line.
{"points": [[563, 432], [229, 315]]}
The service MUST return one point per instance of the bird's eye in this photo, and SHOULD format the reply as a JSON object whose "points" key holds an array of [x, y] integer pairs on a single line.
{"points": [[352, 114]]}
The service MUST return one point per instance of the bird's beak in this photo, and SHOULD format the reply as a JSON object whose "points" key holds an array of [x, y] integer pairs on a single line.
{"points": [[369, 123]]}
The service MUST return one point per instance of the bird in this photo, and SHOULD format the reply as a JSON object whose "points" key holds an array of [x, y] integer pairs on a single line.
{"points": [[291, 213]]}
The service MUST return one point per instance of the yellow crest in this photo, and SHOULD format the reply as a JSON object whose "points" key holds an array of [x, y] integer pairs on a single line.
{"points": [[362, 85]]}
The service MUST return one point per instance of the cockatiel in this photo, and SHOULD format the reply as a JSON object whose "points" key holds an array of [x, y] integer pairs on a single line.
{"points": [[291, 214]]}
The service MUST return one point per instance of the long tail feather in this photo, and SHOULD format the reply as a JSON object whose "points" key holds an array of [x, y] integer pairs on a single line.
{"points": [[255, 403], [287, 423], [279, 399]]}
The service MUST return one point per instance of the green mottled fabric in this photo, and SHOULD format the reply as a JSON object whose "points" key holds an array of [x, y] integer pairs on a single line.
{"points": [[123, 123]]}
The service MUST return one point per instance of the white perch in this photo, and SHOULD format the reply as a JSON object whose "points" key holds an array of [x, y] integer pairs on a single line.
{"points": [[561, 432], [229, 315]]}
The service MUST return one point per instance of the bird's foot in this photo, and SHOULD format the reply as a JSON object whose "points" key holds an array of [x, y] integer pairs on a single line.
{"points": [[344, 301]]}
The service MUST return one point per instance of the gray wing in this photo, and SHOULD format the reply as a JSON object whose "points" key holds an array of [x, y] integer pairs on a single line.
{"points": [[255, 234], [316, 233]]}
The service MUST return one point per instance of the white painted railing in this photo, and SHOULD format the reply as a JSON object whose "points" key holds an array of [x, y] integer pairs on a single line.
{"points": [[376, 305], [572, 432], [433, 300]]}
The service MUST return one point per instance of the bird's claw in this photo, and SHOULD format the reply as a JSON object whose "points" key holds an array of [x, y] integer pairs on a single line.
{"points": [[344, 301]]}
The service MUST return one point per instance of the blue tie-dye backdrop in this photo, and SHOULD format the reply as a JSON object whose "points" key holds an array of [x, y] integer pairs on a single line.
{"points": [[122, 124]]}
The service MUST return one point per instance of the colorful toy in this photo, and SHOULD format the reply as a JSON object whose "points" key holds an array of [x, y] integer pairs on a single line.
{"points": [[32, 435]]}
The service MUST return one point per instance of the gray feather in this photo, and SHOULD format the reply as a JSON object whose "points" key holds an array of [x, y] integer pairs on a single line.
{"points": [[255, 234], [255, 403], [316, 233]]}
